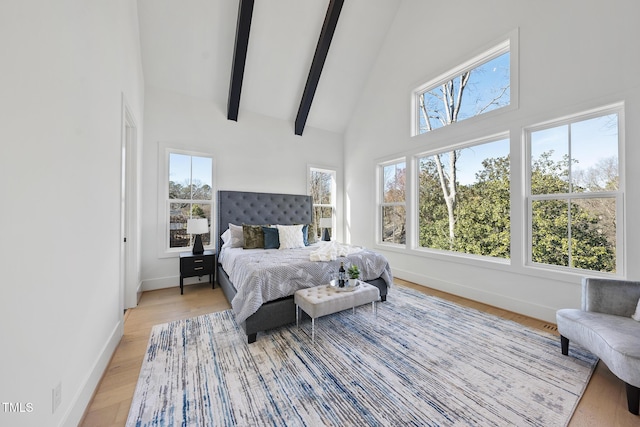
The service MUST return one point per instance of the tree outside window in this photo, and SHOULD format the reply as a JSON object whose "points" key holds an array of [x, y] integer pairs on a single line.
{"points": [[573, 194], [483, 88], [393, 206], [322, 188], [474, 216], [190, 195]]}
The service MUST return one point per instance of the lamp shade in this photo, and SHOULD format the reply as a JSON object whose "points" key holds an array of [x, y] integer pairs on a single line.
{"points": [[197, 226], [326, 223]]}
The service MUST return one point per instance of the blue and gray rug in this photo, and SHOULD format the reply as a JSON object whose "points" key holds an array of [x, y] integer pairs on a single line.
{"points": [[422, 362]]}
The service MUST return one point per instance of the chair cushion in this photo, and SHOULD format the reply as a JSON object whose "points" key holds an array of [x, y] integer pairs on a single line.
{"points": [[614, 339]]}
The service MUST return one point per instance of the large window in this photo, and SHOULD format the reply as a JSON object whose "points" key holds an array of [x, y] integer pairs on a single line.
{"points": [[479, 86], [464, 200], [575, 194], [393, 202], [322, 188], [189, 194]]}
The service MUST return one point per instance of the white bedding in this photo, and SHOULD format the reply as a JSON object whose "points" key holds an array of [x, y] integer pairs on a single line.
{"points": [[262, 275]]}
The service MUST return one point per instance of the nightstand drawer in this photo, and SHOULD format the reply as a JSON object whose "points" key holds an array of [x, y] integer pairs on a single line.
{"points": [[196, 265]]}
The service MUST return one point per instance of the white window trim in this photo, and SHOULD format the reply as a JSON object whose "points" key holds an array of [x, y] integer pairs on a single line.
{"points": [[380, 204], [617, 108], [334, 197], [162, 230], [509, 43], [414, 218]]}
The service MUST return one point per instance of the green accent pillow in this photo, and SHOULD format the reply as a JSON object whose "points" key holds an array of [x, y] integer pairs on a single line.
{"points": [[253, 236]]}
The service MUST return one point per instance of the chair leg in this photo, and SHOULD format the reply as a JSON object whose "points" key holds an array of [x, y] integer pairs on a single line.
{"points": [[633, 398], [564, 343]]}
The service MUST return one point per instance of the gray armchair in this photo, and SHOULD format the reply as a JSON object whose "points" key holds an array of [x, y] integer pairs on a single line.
{"points": [[605, 328]]}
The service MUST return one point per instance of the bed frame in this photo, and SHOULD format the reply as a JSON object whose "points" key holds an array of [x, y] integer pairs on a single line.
{"points": [[241, 207]]}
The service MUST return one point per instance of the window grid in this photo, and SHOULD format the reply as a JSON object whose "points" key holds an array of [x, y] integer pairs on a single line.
{"points": [[593, 239]]}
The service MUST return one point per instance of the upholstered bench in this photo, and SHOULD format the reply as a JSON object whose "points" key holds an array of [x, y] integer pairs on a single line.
{"points": [[323, 300]]}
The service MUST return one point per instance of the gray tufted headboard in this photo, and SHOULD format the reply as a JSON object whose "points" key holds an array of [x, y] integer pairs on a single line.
{"points": [[242, 207]]}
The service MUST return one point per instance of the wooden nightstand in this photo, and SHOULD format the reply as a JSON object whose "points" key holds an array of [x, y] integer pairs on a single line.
{"points": [[197, 265]]}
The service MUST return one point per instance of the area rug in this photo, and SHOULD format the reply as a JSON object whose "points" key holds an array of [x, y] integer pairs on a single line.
{"points": [[422, 361]]}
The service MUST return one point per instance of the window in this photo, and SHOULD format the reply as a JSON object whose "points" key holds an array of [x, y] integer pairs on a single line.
{"points": [[464, 200], [322, 188], [189, 194], [574, 192], [393, 205], [479, 86]]}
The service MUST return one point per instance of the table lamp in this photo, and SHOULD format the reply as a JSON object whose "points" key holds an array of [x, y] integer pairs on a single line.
{"points": [[197, 226], [326, 224]]}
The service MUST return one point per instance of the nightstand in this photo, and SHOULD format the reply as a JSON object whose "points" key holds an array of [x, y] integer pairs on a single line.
{"points": [[197, 265]]}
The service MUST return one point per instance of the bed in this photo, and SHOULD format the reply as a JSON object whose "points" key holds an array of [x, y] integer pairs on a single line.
{"points": [[249, 208]]}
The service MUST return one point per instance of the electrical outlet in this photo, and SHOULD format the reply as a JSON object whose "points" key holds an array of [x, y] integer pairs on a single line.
{"points": [[56, 396]]}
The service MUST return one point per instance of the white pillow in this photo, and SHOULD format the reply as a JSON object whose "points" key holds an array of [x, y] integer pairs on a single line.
{"points": [[290, 236], [237, 236], [636, 315], [226, 239]]}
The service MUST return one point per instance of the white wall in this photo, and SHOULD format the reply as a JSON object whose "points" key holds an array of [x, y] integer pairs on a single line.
{"points": [[574, 56], [65, 67], [256, 153]]}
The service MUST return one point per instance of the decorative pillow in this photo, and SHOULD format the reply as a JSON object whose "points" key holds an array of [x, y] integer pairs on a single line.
{"points": [[237, 237], [636, 315], [226, 238], [290, 236], [271, 238], [311, 235], [253, 236], [305, 235]]}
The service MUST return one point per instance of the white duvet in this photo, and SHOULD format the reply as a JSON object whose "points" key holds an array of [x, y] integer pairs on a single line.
{"points": [[262, 275], [330, 251]]}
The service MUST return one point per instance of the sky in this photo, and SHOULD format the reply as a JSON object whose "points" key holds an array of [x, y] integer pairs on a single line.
{"points": [[181, 169]]}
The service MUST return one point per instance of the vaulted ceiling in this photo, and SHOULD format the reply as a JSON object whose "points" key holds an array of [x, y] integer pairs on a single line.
{"points": [[187, 47]]}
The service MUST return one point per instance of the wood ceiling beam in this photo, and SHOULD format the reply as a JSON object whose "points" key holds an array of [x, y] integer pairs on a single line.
{"points": [[245, 12], [322, 49]]}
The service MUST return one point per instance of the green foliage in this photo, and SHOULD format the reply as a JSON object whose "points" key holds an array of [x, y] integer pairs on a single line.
{"points": [[195, 191], [482, 216], [353, 271], [197, 212]]}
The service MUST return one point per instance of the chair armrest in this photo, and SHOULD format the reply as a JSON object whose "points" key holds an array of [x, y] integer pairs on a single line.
{"points": [[610, 296]]}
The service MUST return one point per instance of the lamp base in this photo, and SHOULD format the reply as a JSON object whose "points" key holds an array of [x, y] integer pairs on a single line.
{"points": [[325, 235], [198, 249]]}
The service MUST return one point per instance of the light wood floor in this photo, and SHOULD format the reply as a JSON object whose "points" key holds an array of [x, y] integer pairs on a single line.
{"points": [[603, 404]]}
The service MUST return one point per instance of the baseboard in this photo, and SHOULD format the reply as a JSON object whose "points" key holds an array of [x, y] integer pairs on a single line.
{"points": [[83, 397], [536, 311], [170, 282]]}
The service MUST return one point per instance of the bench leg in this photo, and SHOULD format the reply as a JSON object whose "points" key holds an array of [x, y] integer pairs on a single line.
{"points": [[633, 398], [313, 330], [564, 344]]}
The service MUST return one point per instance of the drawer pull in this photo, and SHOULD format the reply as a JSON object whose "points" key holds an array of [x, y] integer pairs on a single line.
{"points": [[198, 260], [199, 268]]}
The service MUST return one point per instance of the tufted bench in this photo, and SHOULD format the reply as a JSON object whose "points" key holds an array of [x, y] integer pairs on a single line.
{"points": [[323, 300]]}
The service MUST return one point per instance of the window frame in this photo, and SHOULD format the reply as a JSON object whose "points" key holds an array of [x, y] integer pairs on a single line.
{"points": [[331, 205], [618, 196], [416, 178], [164, 202], [509, 43], [381, 204]]}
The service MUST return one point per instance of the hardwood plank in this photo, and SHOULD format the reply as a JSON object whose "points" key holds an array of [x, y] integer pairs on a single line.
{"points": [[604, 401]]}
